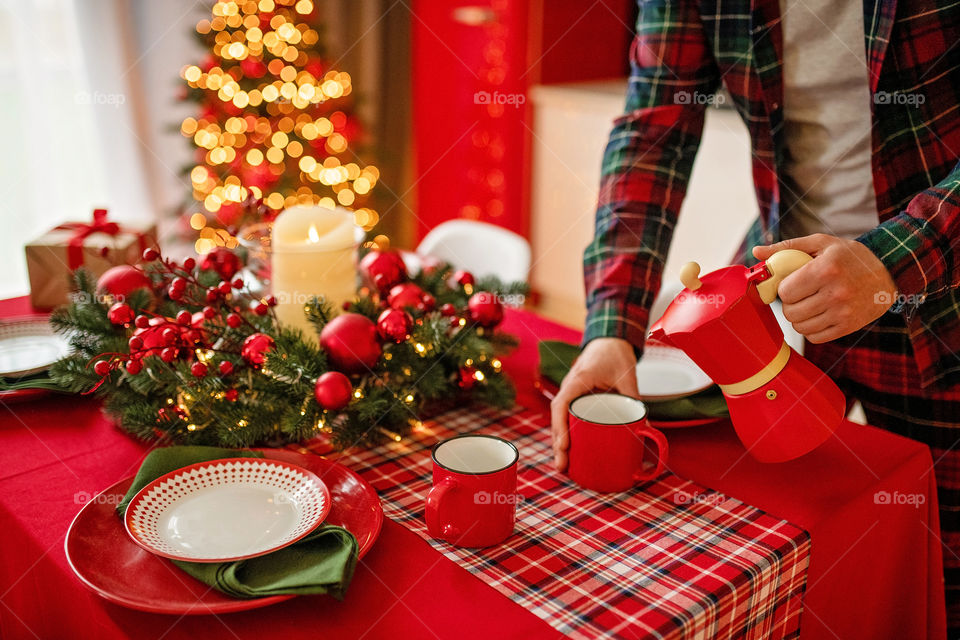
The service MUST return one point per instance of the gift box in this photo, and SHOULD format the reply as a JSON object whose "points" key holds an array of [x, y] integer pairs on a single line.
{"points": [[97, 245]]}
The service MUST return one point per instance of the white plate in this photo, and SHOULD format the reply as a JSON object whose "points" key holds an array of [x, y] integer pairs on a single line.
{"points": [[666, 373], [227, 509], [28, 346]]}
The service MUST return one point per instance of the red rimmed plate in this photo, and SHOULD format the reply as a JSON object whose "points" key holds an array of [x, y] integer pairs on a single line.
{"points": [[227, 509], [112, 565]]}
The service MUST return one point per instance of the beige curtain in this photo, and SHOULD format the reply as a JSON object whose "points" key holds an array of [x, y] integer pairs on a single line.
{"points": [[370, 40]]}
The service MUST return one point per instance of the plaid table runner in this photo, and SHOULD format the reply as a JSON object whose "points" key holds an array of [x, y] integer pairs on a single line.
{"points": [[668, 559]]}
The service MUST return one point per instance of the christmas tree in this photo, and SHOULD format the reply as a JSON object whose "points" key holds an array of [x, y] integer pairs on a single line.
{"points": [[275, 125]]}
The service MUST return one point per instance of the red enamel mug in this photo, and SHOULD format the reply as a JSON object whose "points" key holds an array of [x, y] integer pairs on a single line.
{"points": [[473, 502], [609, 438]]}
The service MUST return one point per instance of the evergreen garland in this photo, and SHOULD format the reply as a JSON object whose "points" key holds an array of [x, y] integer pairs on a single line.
{"points": [[446, 358]]}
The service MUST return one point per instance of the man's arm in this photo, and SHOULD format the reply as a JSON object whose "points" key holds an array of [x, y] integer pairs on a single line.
{"points": [[646, 167], [916, 246]]}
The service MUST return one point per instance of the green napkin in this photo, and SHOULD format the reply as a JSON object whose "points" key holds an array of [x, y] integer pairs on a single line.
{"points": [[321, 562], [556, 358]]}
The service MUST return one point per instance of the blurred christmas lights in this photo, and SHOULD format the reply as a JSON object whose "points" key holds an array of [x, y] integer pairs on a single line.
{"points": [[268, 128]]}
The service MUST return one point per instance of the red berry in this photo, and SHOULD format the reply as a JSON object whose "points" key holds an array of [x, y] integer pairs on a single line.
{"points": [[224, 287], [184, 317], [260, 309], [226, 368], [209, 312], [429, 302], [346, 305], [179, 283], [189, 264], [234, 320], [198, 369], [150, 255], [238, 283], [142, 322], [271, 301], [169, 335], [135, 343], [174, 293], [120, 313], [212, 294], [101, 367], [169, 354], [231, 395], [134, 366], [448, 309]]}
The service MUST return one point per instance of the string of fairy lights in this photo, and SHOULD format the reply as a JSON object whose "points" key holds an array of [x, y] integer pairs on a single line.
{"points": [[264, 119]]}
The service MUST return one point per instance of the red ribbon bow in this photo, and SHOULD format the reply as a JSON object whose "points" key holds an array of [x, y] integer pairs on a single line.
{"points": [[81, 230]]}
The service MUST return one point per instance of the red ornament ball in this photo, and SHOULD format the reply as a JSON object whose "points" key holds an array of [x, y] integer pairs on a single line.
{"points": [[383, 269], [255, 348], [394, 324], [234, 320], [120, 313], [333, 391], [407, 296], [101, 367], [198, 369], [448, 309], [231, 395], [226, 368], [122, 280], [463, 278], [134, 366], [350, 341], [485, 309], [466, 378]]}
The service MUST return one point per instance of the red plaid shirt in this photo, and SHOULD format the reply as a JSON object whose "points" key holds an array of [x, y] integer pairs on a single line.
{"points": [[683, 51]]}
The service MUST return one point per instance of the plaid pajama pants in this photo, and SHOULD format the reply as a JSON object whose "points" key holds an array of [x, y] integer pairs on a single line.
{"points": [[876, 366]]}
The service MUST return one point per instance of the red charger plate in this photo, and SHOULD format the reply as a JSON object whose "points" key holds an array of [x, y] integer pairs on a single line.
{"points": [[113, 566]]}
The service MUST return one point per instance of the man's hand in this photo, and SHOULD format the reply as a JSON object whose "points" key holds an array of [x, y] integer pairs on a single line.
{"points": [[844, 288], [605, 364]]}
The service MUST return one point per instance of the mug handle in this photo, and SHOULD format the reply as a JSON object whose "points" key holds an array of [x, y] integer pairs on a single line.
{"points": [[662, 451], [434, 508]]}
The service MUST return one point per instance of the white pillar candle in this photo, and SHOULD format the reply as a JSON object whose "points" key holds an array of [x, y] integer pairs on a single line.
{"points": [[312, 255]]}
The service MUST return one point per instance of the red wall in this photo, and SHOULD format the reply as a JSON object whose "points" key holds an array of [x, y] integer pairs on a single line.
{"points": [[473, 65]]}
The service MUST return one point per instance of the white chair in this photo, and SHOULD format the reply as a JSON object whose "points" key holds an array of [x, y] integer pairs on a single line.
{"points": [[481, 248]]}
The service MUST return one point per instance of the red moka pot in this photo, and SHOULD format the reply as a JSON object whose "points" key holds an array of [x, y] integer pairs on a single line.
{"points": [[781, 405]]}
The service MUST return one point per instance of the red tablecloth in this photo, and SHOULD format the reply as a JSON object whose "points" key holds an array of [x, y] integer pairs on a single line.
{"points": [[874, 570]]}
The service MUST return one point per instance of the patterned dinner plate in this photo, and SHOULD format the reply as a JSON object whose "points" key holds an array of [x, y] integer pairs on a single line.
{"points": [[28, 345], [227, 509]]}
